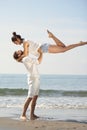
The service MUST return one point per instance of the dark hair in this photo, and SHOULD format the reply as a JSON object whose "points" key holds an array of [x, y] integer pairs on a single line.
{"points": [[15, 55], [15, 36]]}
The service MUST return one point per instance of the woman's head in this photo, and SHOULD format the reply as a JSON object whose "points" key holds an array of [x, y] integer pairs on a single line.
{"points": [[17, 54], [17, 39]]}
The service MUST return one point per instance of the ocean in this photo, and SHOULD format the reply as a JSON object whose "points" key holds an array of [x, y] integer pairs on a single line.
{"points": [[62, 97]]}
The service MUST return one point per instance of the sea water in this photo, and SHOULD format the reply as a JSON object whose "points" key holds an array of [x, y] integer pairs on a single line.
{"points": [[60, 97]]}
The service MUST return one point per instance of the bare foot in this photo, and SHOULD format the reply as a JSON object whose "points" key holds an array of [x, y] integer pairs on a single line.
{"points": [[83, 43], [50, 34], [33, 117], [23, 118], [36, 116]]}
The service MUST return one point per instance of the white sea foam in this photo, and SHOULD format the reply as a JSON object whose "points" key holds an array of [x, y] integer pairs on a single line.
{"points": [[46, 103]]}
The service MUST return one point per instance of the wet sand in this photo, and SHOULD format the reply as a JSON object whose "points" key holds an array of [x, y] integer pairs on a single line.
{"points": [[12, 124]]}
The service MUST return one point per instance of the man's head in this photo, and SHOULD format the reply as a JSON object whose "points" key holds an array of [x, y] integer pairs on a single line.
{"points": [[17, 54]]}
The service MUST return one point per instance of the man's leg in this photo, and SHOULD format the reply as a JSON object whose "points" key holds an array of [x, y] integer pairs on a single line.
{"points": [[33, 104], [27, 102]]}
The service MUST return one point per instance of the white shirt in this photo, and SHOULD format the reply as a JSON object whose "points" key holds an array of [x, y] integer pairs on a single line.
{"points": [[33, 49]]}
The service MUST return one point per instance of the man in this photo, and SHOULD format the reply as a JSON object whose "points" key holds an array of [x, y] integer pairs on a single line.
{"points": [[33, 82]]}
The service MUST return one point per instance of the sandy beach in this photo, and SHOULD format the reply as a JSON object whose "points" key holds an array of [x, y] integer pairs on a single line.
{"points": [[11, 124]]}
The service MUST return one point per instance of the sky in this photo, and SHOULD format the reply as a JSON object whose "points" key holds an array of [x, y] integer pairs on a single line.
{"points": [[67, 19]]}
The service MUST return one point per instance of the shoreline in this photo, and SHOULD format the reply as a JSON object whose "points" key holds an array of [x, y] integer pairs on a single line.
{"points": [[12, 124], [71, 115], [74, 115]]}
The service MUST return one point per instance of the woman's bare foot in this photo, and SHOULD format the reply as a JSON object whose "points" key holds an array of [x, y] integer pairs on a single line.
{"points": [[83, 43], [50, 34]]}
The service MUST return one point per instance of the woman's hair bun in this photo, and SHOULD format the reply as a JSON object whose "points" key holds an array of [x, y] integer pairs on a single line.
{"points": [[14, 33]]}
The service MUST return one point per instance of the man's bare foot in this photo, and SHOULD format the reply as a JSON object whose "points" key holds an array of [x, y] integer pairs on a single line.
{"points": [[23, 118], [34, 117], [50, 34]]}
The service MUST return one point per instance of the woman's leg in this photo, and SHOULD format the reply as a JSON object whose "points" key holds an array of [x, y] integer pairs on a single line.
{"points": [[58, 49], [27, 102], [33, 104], [57, 41]]}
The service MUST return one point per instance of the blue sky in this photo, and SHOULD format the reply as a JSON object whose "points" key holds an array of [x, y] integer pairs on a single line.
{"points": [[67, 19]]}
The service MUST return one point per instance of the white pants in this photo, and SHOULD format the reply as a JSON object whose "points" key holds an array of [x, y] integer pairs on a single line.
{"points": [[34, 86], [33, 76]]}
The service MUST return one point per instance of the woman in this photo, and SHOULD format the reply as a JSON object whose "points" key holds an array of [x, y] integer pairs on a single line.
{"points": [[60, 47], [33, 81]]}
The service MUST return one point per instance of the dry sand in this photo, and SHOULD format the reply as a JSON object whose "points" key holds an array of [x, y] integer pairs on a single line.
{"points": [[11, 124]]}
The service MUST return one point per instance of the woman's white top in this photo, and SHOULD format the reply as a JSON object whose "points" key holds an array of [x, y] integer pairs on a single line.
{"points": [[33, 49]]}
